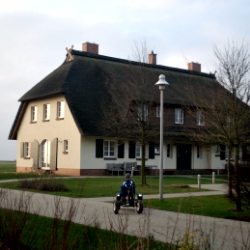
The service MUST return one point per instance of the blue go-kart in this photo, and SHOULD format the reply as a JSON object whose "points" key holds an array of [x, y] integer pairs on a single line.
{"points": [[131, 200]]}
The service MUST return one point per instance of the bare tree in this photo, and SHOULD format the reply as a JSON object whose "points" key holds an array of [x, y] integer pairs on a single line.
{"points": [[226, 109], [131, 110]]}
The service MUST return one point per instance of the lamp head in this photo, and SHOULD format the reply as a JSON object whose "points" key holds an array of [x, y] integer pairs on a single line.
{"points": [[162, 81]]}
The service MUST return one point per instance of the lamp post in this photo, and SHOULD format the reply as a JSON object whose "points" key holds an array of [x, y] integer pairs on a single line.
{"points": [[161, 83]]}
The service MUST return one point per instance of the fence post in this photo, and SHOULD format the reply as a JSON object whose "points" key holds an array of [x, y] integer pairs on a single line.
{"points": [[132, 171], [213, 177], [199, 181], [218, 171]]}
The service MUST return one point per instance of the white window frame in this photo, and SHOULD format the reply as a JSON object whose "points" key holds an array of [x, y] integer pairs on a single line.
{"points": [[138, 150], [179, 116], [231, 155], [217, 150], [200, 118], [66, 146], [108, 149], [157, 111], [33, 115], [46, 112], [157, 148], [60, 110], [26, 150], [145, 111]]}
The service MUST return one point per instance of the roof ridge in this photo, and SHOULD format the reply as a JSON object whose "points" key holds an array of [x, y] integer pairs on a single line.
{"points": [[124, 61]]}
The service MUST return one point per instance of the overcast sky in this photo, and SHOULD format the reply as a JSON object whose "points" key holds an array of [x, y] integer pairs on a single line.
{"points": [[34, 35]]}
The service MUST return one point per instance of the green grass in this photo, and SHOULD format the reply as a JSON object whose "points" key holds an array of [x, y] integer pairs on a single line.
{"points": [[214, 206], [28, 231], [7, 167], [103, 187]]}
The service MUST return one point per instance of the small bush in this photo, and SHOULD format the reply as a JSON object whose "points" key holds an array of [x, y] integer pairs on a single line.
{"points": [[43, 185]]}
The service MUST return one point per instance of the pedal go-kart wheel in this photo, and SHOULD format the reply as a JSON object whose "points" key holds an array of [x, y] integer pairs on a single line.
{"points": [[116, 207], [139, 207]]}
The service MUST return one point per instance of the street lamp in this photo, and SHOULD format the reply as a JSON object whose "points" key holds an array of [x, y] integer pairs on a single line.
{"points": [[161, 83]]}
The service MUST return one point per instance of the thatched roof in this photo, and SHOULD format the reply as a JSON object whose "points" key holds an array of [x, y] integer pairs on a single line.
{"points": [[82, 81]]}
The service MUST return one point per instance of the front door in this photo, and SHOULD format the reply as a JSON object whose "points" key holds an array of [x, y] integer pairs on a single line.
{"points": [[184, 156]]}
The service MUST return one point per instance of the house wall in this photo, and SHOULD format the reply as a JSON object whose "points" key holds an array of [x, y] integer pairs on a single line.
{"points": [[63, 129], [91, 165]]}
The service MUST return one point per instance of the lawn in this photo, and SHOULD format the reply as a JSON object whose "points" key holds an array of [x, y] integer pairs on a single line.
{"points": [[9, 167], [214, 206], [34, 232], [109, 186]]}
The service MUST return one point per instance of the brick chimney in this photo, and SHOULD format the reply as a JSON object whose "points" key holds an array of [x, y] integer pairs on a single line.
{"points": [[152, 58], [194, 66], [90, 47]]}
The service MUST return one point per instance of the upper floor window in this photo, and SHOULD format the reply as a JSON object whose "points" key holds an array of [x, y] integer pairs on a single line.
{"points": [[179, 116], [60, 109], [109, 148], [200, 118], [142, 113], [33, 115], [137, 150], [46, 112], [157, 111]]}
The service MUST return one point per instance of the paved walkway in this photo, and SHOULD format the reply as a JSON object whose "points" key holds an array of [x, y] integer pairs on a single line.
{"points": [[163, 225]]}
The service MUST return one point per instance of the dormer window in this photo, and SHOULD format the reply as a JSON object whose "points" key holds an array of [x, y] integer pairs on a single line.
{"points": [[142, 113], [157, 111], [200, 118], [179, 116]]}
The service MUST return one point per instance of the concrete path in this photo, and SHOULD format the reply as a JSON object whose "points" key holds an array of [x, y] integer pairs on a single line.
{"points": [[163, 225]]}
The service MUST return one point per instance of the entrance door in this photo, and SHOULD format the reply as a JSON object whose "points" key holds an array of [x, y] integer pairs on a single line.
{"points": [[184, 156], [45, 154]]}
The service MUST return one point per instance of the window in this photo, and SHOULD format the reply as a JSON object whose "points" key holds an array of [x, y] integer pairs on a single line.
{"points": [[168, 151], [157, 111], [25, 150], [137, 150], [60, 110], [46, 112], [200, 118], [231, 156], [109, 148], [66, 146], [142, 114], [198, 151], [157, 148], [33, 114], [179, 116], [217, 150]]}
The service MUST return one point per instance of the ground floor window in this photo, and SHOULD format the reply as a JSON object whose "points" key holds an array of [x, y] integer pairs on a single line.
{"points": [[157, 148], [109, 148], [169, 151], [137, 150]]}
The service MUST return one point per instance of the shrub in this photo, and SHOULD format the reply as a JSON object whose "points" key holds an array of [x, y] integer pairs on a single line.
{"points": [[43, 184]]}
